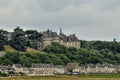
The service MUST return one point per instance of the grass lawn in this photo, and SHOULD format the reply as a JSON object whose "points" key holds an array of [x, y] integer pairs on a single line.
{"points": [[70, 77], [8, 48]]}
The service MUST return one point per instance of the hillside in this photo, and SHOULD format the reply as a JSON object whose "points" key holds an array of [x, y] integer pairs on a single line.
{"points": [[2, 53], [31, 50], [90, 52], [8, 48]]}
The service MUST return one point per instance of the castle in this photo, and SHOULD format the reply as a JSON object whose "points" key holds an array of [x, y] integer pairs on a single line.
{"points": [[49, 37]]}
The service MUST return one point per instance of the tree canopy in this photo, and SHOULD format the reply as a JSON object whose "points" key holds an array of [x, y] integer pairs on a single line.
{"points": [[3, 39], [18, 40]]}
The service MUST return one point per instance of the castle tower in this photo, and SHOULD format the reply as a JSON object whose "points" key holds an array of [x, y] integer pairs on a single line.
{"points": [[60, 31]]}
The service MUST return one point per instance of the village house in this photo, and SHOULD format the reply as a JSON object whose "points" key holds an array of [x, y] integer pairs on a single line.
{"points": [[118, 68], [59, 69], [42, 69], [83, 69], [98, 68], [91, 68], [6, 69], [110, 68], [17, 67], [72, 67]]}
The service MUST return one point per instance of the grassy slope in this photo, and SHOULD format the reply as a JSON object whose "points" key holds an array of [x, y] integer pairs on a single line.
{"points": [[31, 50], [9, 49], [28, 50], [2, 53], [70, 77]]}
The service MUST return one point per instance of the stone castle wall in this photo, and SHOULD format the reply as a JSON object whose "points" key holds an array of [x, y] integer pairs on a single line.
{"points": [[49, 41]]}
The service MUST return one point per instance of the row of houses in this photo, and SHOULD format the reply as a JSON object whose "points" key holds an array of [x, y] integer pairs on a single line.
{"points": [[50, 69], [99, 68], [39, 69]]}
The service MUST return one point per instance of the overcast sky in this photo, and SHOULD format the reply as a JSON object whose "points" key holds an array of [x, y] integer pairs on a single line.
{"points": [[88, 19]]}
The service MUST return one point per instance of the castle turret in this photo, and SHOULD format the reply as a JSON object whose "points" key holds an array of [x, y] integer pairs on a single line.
{"points": [[60, 31]]}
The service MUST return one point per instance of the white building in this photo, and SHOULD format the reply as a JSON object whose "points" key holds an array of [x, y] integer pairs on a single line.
{"points": [[59, 69]]}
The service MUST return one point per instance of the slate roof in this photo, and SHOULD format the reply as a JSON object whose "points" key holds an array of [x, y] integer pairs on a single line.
{"points": [[100, 65], [5, 67], [59, 66], [42, 65], [18, 65]]}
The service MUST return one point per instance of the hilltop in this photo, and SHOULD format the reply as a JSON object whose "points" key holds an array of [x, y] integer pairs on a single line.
{"points": [[22, 48], [90, 52]]}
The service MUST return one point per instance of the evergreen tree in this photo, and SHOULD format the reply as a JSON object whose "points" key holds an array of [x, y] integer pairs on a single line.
{"points": [[18, 40], [3, 38], [33, 38]]}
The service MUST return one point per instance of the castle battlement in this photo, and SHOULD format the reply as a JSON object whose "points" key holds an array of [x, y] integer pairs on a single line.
{"points": [[49, 37]]}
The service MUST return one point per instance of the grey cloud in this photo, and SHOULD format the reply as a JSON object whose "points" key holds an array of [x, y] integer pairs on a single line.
{"points": [[111, 5], [89, 19], [56, 5], [4, 3]]}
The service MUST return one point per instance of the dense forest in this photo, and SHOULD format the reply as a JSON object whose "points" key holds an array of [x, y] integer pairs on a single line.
{"points": [[90, 52]]}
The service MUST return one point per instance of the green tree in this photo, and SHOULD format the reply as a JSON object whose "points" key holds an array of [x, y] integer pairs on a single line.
{"points": [[18, 40], [13, 57], [3, 39], [56, 48], [33, 37]]}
